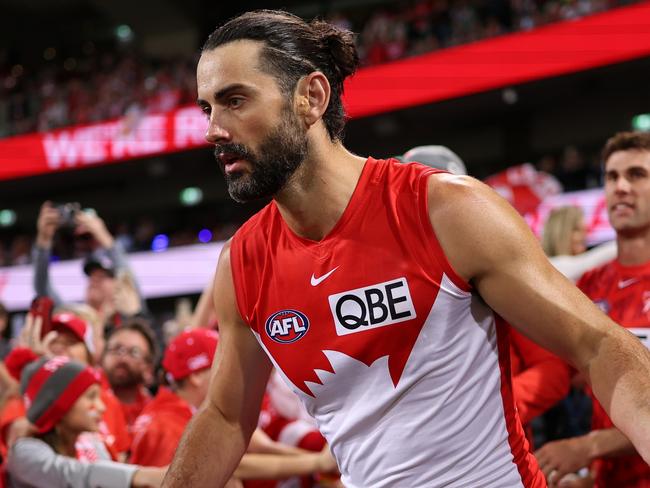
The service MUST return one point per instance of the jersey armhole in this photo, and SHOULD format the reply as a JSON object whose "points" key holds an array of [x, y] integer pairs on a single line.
{"points": [[236, 269], [429, 233]]}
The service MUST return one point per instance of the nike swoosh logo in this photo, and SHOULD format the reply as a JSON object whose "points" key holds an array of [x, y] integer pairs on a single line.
{"points": [[625, 283], [317, 281]]}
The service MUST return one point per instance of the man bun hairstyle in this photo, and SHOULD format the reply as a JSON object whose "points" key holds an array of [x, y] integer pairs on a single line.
{"points": [[294, 48]]}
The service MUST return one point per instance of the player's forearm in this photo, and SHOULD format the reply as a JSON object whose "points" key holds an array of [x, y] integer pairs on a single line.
{"points": [[608, 443], [208, 453], [618, 375]]}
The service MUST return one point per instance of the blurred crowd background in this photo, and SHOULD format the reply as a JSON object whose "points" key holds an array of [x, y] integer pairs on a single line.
{"points": [[90, 83]]}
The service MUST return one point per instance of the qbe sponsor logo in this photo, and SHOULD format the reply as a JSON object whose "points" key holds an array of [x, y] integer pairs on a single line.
{"points": [[372, 306], [287, 326]]}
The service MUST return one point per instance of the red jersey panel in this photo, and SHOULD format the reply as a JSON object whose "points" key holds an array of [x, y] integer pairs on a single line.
{"points": [[402, 365], [623, 293]]}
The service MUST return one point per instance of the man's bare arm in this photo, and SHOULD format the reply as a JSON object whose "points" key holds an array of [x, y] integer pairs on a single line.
{"points": [[217, 436], [490, 245]]}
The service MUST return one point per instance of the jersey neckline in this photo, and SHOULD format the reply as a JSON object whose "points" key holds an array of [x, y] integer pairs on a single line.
{"points": [[633, 269], [357, 198]]}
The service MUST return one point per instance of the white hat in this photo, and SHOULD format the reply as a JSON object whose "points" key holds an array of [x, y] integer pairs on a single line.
{"points": [[439, 157]]}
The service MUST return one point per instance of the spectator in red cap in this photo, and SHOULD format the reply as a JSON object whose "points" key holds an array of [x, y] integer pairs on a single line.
{"points": [[159, 428], [63, 402], [74, 337]]}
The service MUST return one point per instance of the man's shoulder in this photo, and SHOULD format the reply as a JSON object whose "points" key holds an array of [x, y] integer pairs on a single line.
{"points": [[453, 195]]}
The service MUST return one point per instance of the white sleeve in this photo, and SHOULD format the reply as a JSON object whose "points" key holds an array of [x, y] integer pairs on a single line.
{"points": [[573, 267], [31, 462]]}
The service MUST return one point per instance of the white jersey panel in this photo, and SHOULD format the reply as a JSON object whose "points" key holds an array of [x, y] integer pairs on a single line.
{"points": [[444, 423]]}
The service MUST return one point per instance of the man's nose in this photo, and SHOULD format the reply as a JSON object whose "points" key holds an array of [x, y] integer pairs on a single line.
{"points": [[216, 133], [622, 185]]}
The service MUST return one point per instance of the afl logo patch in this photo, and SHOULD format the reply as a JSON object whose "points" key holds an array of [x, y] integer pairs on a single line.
{"points": [[287, 326]]}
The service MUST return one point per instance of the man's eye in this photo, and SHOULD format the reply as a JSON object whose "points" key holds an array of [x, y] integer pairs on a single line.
{"points": [[235, 102]]}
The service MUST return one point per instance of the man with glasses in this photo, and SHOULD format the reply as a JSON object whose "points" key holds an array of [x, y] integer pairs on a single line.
{"points": [[128, 362]]}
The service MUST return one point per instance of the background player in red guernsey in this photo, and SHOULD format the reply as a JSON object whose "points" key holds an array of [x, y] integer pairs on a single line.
{"points": [[621, 288], [374, 286]]}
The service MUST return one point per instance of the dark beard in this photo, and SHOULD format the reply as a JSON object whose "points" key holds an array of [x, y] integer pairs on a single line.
{"points": [[129, 380], [279, 156]]}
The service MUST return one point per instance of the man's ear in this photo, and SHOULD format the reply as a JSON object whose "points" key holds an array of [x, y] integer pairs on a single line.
{"points": [[312, 97]]}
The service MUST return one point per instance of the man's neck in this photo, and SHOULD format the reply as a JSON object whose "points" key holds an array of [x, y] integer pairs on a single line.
{"points": [[127, 395], [633, 250], [317, 194]]}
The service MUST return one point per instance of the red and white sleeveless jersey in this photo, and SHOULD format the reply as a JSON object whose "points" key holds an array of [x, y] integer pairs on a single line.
{"points": [[623, 293], [404, 368]]}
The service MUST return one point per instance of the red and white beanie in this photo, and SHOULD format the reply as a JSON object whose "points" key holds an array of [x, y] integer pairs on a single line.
{"points": [[190, 351], [76, 325], [50, 387]]}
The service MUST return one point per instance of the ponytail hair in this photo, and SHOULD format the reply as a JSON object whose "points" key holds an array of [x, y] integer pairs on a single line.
{"points": [[294, 48]]}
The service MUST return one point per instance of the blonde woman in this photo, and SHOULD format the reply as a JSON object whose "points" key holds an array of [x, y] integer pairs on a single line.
{"points": [[564, 242]]}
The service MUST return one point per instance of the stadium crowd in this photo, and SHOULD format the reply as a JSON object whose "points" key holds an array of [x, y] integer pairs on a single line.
{"points": [[97, 84]]}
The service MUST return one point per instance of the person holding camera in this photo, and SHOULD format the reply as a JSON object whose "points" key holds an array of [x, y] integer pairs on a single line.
{"points": [[111, 289]]}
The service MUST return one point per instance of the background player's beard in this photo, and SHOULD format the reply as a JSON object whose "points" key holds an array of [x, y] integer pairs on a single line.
{"points": [[279, 156]]}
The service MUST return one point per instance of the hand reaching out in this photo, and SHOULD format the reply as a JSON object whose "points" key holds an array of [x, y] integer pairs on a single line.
{"points": [[559, 458], [30, 336]]}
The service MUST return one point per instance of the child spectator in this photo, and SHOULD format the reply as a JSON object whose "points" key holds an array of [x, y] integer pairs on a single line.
{"points": [[71, 337], [63, 402]]}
